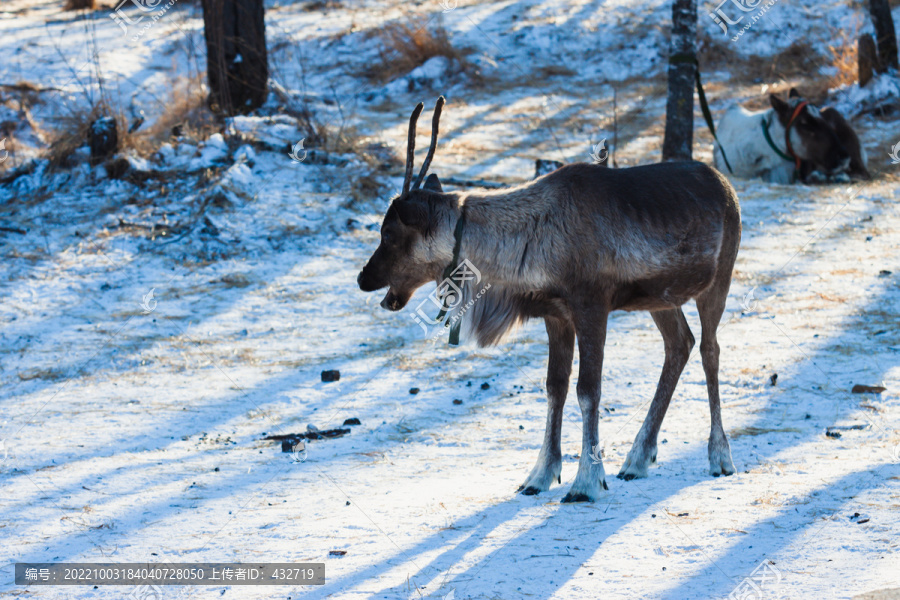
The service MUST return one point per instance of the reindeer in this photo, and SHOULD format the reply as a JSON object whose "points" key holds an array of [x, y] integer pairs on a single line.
{"points": [[570, 247], [859, 161], [793, 140]]}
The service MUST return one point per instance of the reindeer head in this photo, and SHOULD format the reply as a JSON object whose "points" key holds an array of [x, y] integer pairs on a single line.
{"points": [[812, 138], [416, 234]]}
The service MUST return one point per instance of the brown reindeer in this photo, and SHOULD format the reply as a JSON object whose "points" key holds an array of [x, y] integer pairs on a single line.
{"points": [[793, 140], [570, 247], [844, 145]]}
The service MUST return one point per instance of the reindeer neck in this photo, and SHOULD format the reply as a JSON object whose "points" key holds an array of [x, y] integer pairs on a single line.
{"points": [[775, 130], [499, 226]]}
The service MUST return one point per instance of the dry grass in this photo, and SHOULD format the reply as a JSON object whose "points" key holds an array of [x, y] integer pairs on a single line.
{"points": [[185, 114], [844, 55], [71, 133], [407, 45], [234, 280], [45, 374], [798, 61], [322, 5], [9, 144], [365, 187], [750, 430]]}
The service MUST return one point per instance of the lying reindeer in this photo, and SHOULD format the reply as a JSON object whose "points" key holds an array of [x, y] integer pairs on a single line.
{"points": [[570, 247], [791, 141]]}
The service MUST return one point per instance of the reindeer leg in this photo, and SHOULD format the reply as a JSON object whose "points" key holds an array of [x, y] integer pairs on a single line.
{"points": [[590, 327], [679, 342], [710, 307], [559, 367]]}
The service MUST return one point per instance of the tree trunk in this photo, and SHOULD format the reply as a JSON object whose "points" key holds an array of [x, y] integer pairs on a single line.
{"points": [[236, 60], [866, 59], [103, 139], [80, 5], [679, 136], [885, 36]]}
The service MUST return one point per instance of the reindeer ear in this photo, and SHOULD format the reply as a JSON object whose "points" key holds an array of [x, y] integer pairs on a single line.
{"points": [[778, 104], [413, 214], [433, 184], [794, 93]]}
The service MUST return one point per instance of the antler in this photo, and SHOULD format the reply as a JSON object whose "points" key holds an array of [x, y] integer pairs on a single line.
{"points": [[411, 147], [435, 120]]}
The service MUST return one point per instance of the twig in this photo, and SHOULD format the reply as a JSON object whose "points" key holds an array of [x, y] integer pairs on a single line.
{"points": [[155, 228], [27, 87], [25, 169]]}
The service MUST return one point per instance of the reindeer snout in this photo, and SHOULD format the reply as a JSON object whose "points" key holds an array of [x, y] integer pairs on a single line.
{"points": [[393, 301], [390, 304], [367, 283]]}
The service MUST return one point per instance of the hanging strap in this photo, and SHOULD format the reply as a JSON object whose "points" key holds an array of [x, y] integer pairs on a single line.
{"points": [[787, 137], [704, 106], [768, 136], [448, 271]]}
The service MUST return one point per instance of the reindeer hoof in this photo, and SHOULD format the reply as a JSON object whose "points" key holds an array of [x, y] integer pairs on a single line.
{"points": [[590, 496], [638, 461], [720, 462], [541, 477], [570, 497], [725, 470]]}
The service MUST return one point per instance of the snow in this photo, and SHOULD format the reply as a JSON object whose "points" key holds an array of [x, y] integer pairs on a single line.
{"points": [[880, 91], [131, 435], [277, 132], [213, 151], [431, 73]]}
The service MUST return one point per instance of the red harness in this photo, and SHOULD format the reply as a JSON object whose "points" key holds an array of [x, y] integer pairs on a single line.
{"points": [[787, 135]]}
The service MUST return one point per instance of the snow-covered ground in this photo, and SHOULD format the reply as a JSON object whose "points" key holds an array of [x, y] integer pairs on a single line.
{"points": [[132, 424]]}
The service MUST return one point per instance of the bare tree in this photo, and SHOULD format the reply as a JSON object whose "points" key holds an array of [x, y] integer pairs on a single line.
{"points": [[885, 36], [236, 59], [679, 135]]}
